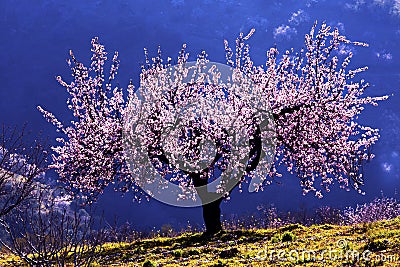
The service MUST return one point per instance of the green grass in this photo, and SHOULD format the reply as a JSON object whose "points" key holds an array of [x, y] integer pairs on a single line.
{"points": [[330, 244]]}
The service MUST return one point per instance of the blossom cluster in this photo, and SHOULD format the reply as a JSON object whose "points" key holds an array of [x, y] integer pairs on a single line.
{"points": [[312, 95], [382, 208], [316, 101], [379, 209], [194, 121], [90, 154]]}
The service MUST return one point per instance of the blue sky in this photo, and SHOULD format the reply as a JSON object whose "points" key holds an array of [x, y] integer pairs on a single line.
{"points": [[37, 35]]}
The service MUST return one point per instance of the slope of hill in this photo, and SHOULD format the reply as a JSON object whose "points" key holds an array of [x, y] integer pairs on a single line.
{"points": [[370, 244]]}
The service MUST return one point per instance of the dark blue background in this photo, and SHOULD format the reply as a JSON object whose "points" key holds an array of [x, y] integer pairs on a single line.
{"points": [[35, 37]]}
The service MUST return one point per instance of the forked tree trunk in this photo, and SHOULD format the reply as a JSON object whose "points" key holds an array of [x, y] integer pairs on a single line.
{"points": [[212, 210], [211, 201]]}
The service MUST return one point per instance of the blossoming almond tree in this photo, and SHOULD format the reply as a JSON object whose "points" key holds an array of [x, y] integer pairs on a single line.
{"points": [[312, 97], [90, 155]]}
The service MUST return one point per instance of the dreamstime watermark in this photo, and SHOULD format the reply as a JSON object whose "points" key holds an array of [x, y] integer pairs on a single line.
{"points": [[341, 252], [218, 98]]}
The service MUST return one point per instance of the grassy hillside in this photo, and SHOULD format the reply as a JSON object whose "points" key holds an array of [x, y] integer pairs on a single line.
{"points": [[291, 245]]}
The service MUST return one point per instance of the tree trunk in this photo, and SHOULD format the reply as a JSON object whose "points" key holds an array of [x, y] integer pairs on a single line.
{"points": [[211, 210], [212, 217]]}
